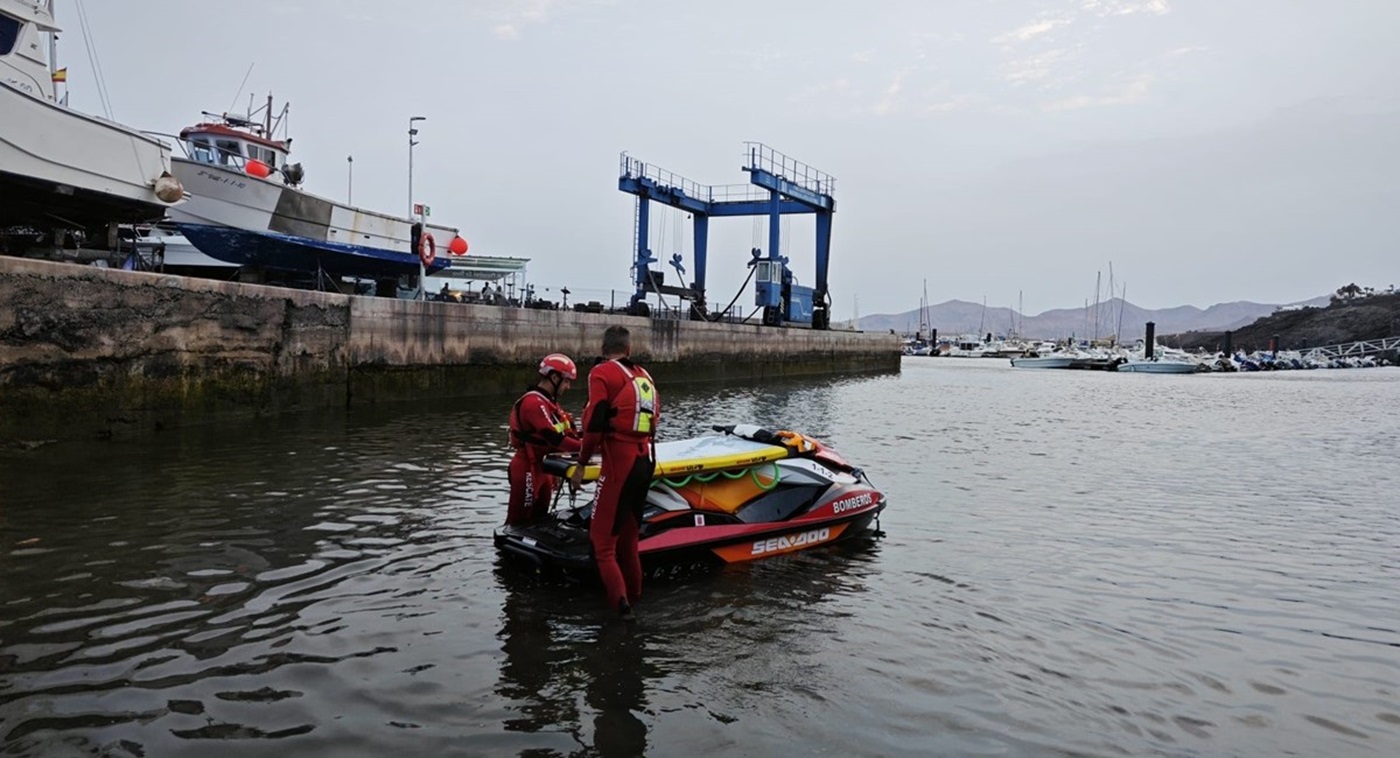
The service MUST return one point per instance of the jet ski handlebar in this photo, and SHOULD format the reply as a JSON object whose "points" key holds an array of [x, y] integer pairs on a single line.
{"points": [[797, 442]]}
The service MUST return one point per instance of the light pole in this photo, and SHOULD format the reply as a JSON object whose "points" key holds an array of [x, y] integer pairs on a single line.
{"points": [[412, 132], [350, 179], [422, 267]]}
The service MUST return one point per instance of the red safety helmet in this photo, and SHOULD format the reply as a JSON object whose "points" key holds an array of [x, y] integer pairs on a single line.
{"points": [[561, 363]]}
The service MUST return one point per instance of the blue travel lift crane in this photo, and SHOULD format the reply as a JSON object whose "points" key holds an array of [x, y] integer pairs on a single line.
{"points": [[778, 186]]}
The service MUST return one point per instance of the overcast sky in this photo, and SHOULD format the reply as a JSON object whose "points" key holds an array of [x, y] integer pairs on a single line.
{"points": [[1211, 150]]}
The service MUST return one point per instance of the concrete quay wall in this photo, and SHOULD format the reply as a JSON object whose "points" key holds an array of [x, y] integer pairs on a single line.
{"points": [[97, 352]]}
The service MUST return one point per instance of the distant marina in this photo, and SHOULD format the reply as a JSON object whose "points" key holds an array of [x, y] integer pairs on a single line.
{"points": [[1090, 356]]}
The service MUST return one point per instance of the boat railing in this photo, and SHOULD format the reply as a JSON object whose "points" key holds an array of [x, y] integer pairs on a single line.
{"points": [[173, 138]]}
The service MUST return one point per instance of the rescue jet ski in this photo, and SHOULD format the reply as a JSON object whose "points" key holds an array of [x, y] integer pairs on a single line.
{"points": [[739, 495]]}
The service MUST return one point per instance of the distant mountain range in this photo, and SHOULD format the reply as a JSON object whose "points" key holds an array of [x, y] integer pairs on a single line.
{"points": [[960, 317]]}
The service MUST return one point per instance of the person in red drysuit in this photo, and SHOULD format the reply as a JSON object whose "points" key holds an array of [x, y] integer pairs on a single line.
{"points": [[538, 426], [620, 422]]}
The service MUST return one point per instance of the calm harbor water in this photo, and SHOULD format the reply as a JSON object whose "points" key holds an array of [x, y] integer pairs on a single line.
{"points": [[1074, 563]]}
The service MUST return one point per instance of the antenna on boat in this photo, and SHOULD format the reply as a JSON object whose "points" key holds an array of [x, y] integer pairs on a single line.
{"points": [[239, 93]]}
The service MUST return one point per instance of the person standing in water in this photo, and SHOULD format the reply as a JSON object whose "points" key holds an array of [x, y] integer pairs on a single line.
{"points": [[538, 426], [620, 423]]}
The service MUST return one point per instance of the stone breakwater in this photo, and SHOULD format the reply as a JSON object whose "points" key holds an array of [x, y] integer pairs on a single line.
{"points": [[98, 352]]}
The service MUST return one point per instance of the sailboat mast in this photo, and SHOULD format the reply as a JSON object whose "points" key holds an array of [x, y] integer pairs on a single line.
{"points": [[924, 325], [1123, 305], [1020, 312], [1111, 294], [1098, 283]]}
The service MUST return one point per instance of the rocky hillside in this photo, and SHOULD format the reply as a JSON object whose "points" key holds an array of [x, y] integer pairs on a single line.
{"points": [[1346, 319], [961, 317]]}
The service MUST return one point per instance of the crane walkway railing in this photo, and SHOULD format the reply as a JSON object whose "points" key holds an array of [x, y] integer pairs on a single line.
{"points": [[761, 157], [632, 168], [1358, 348]]}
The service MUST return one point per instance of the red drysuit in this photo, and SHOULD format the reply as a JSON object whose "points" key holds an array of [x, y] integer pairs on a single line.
{"points": [[538, 426], [620, 422]]}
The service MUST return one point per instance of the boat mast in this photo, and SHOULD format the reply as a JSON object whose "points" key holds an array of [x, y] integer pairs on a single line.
{"points": [[1123, 304], [923, 312], [1098, 284], [53, 58], [1020, 312], [1111, 293]]}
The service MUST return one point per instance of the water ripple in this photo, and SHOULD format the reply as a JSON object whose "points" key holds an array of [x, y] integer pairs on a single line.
{"points": [[1073, 565]]}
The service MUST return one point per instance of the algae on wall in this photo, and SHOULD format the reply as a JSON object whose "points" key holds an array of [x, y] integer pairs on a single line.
{"points": [[96, 352]]}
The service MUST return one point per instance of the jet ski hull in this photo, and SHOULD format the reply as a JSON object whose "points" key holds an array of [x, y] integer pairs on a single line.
{"points": [[811, 499], [556, 546]]}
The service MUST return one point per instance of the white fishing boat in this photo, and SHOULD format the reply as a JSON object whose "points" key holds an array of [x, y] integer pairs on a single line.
{"points": [[247, 207], [59, 168]]}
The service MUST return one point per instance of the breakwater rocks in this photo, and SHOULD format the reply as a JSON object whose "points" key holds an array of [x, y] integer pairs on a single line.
{"points": [[97, 352]]}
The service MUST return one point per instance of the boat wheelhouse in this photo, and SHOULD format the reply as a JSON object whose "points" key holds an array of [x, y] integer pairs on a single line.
{"points": [[236, 142]]}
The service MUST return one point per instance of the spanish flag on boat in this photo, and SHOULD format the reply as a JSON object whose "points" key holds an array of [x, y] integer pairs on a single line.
{"points": [[61, 75]]}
